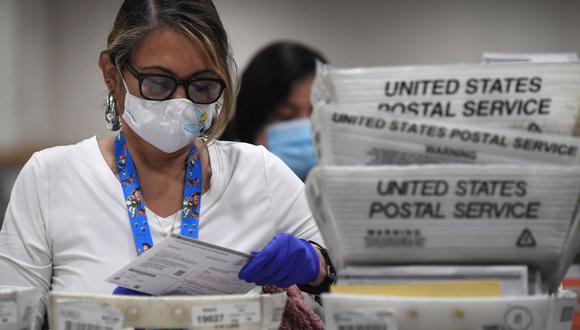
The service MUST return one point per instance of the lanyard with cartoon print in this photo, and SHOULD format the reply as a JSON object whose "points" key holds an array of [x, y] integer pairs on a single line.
{"points": [[134, 196]]}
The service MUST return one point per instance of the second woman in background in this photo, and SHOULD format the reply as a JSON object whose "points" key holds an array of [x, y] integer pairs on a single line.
{"points": [[273, 106]]}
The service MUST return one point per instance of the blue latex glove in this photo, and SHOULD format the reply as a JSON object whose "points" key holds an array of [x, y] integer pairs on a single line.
{"points": [[128, 292], [285, 261]]}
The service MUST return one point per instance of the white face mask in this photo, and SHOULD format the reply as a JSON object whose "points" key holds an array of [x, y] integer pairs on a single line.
{"points": [[168, 125]]}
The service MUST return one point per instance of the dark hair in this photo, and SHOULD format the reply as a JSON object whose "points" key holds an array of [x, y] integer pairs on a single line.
{"points": [[197, 19], [266, 82]]}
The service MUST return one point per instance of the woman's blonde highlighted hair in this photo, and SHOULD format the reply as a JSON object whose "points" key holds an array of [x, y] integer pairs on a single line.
{"points": [[197, 19]]}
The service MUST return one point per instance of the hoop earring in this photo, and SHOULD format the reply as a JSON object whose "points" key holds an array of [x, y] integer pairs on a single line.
{"points": [[112, 118]]}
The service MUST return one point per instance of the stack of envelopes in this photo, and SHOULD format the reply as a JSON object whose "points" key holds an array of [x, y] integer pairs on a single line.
{"points": [[448, 182]]}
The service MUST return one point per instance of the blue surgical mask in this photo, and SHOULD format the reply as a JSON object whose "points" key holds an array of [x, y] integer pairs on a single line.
{"points": [[292, 142]]}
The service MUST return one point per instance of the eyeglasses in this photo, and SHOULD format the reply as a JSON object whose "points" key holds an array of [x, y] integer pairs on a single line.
{"points": [[160, 87]]}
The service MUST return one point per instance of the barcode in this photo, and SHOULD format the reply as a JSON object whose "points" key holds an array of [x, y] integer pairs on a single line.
{"points": [[141, 272], [69, 325], [363, 327]]}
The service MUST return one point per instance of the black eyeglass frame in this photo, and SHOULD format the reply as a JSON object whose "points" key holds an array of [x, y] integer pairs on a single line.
{"points": [[183, 82]]}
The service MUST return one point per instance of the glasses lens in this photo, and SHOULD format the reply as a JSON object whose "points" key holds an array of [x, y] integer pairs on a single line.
{"points": [[157, 87], [205, 91]]}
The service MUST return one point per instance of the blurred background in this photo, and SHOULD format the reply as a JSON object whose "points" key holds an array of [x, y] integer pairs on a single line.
{"points": [[51, 91]]}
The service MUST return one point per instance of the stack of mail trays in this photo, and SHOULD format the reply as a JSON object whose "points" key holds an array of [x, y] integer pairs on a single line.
{"points": [[448, 195]]}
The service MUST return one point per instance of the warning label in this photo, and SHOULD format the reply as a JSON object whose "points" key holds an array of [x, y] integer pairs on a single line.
{"points": [[389, 237], [526, 239], [533, 127]]}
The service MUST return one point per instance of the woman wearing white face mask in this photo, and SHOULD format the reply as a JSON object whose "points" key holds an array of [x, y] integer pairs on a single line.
{"points": [[273, 106], [79, 213]]}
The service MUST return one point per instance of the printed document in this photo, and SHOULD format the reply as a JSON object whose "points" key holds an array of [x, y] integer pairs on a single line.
{"points": [[180, 265]]}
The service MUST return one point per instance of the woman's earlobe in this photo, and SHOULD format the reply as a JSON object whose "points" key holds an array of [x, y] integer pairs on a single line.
{"points": [[109, 71]]}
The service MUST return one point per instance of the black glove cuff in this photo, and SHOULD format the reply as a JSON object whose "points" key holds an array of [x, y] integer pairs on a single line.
{"points": [[330, 278]]}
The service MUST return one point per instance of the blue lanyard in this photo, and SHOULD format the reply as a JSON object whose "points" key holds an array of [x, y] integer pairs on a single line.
{"points": [[134, 196]]}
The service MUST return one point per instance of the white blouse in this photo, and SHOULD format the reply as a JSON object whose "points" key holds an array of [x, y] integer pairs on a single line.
{"points": [[66, 226]]}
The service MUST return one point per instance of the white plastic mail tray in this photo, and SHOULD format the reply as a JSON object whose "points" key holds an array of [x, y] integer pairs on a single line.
{"points": [[106, 312], [544, 312]]}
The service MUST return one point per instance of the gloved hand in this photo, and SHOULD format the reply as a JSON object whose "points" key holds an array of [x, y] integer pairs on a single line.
{"points": [[128, 292], [285, 261]]}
